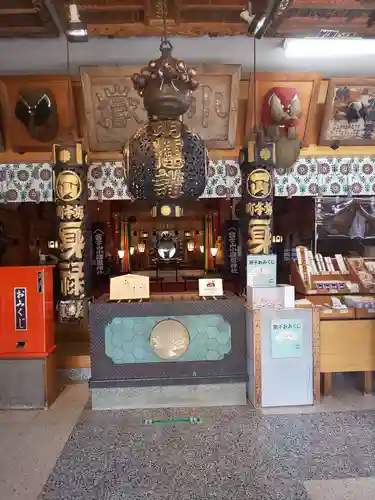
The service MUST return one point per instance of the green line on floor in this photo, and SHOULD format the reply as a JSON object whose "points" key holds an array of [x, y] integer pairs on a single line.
{"points": [[172, 420]]}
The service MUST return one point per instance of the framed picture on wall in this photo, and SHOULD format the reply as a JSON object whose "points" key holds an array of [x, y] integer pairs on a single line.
{"points": [[349, 113]]}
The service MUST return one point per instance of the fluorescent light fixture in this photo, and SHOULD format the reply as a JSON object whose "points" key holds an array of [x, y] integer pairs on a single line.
{"points": [[76, 31], [328, 47]]}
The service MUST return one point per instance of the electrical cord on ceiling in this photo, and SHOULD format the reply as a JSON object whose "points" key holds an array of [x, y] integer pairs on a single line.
{"points": [[254, 87], [71, 106]]}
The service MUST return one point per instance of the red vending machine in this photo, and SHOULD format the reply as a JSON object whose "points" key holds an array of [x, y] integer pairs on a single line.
{"points": [[28, 375], [26, 311]]}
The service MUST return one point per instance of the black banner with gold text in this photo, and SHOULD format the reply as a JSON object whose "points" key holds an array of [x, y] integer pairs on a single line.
{"points": [[71, 203], [98, 248], [231, 247], [257, 168]]}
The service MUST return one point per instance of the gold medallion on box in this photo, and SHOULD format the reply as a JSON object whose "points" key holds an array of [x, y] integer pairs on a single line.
{"points": [[169, 339]]}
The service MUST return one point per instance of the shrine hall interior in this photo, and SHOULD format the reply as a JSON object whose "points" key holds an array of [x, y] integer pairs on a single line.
{"points": [[293, 224]]}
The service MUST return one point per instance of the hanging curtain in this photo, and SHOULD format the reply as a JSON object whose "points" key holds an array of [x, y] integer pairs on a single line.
{"points": [[125, 246], [116, 236], [209, 242]]}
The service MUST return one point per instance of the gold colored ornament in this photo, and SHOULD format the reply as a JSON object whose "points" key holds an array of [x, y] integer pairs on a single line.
{"points": [[68, 186], [259, 183], [72, 241], [260, 237], [165, 210], [72, 279], [167, 144], [259, 209], [71, 310], [265, 154], [79, 153], [70, 212], [64, 156], [169, 339]]}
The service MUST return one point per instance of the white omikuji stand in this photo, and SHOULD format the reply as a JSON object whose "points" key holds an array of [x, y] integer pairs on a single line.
{"points": [[279, 341], [276, 377]]}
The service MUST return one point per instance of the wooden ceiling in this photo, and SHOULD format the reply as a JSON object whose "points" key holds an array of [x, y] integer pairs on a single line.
{"points": [[26, 18], [325, 18], [122, 18]]}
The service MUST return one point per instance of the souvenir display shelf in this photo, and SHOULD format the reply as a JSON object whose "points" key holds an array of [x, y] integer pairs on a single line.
{"points": [[341, 289]]}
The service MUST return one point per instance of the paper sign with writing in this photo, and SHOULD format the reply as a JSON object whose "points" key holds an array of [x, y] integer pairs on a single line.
{"points": [[20, 309], [129, 287], [286, 338], [261, 270], [210, 287]]}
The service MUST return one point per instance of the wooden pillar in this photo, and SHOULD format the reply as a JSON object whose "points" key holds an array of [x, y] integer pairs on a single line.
{"points": [[71, 206], [257, 167]]}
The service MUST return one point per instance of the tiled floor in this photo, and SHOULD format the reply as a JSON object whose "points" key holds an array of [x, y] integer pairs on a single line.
{"points": [[235, 453], [31, 441]]}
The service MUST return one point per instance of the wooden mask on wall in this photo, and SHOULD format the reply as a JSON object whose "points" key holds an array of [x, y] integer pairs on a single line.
{"points": [[36, 109], [281, 111]]}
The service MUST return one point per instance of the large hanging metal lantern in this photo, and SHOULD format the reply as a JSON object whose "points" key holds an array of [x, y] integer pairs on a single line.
{"points": [[164, 160]]}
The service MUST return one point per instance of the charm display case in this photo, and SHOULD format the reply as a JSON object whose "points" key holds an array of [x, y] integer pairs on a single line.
{"points": [[339, 287]]}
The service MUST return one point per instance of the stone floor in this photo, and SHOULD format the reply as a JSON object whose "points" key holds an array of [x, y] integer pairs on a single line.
{"points": [[323, 453]]}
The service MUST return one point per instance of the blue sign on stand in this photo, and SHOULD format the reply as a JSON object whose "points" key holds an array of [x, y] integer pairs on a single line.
{"points": [[261, 270], [286, 338]]}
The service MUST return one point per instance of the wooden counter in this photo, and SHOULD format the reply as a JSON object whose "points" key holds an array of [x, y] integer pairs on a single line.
{"points": [[347, 346]]}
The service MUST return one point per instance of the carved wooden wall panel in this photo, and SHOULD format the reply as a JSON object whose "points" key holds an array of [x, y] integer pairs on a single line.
{"points": [[213, 114], [17, 134], [114, 111]]}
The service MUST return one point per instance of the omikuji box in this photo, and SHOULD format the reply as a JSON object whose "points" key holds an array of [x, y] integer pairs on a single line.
{"points": [[271, 296], [26, 311], [129, 287]]}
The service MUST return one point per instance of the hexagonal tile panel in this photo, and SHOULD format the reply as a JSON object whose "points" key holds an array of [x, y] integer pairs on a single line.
{"points": [[127, 339]]}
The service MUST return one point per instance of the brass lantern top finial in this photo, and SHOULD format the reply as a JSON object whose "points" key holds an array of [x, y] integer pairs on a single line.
{"points": [[166, 84]]}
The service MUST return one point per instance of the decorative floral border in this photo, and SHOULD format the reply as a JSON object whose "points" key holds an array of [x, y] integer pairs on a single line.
{"points": [[310, 176], [21, 182], [33, 182], [328, 177]]}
